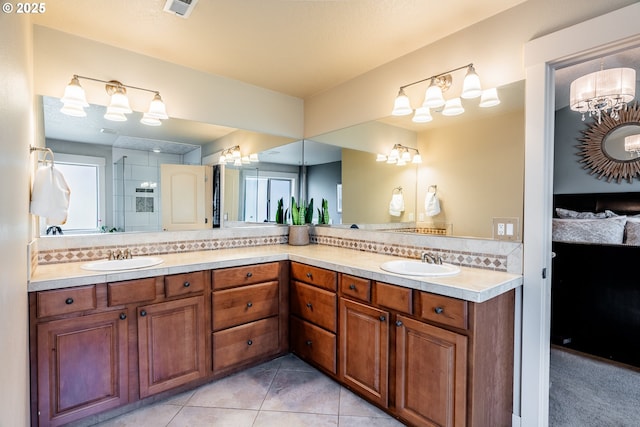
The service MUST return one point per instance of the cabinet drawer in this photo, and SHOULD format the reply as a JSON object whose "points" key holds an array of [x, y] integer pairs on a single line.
{"points": [[120, 293], [355, 287], [237, 345], [313, 344], [63, 301], [313, 275], [232, 307], [183, 284], [315, 305], [445, 310], [394, 297], [245, 275]]}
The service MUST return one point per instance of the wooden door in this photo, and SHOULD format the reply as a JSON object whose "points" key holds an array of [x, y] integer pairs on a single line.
{"points": [[82, 366], [182, 192], [171, 344], [364, 349], [431, 374]]}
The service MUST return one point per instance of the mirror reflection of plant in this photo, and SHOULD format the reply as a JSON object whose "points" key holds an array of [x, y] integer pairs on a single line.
{"points": [[323, 213], [280, 211]]}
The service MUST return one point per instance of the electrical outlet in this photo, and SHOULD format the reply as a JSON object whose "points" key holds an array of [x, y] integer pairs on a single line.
{"points": [[506, 229]]}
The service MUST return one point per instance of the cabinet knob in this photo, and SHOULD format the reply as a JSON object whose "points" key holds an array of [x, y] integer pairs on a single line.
{"points": [[352, 287], [68, 301], [309, 342], [249, 274], [309, 305], [438, 310], [399, 323], [186, 284], [123, 316], [249, 342], [249, 304], [383, 318], [309, 275], [143, 313]]}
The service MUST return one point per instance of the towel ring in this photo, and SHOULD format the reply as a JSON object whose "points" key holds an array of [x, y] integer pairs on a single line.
{"points": [[397, 189], [435, 189], [47, 151]]}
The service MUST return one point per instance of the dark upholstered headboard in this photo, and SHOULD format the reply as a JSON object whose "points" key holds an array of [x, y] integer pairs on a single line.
{"points": [[620, 203]]}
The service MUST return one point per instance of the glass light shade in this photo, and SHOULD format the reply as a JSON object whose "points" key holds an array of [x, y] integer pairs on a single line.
{"points": [[632, 143], [381, 158], [157, 108], [245, 160], [602, 89], [406, 156], [453, 107], [417, 159], [471, 85], [433, 96], [222, 160], [489, 98], [391, 160], [422, 115], [402, 105], [115, 116], [237, 162], [74, 94], [74, 110], [236, 153], [150, 120], [394, 154], [253, 157], [119, 102], [401, 162]]}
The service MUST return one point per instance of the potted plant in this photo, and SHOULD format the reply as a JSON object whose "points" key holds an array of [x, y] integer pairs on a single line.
{"points": [[300, 220]]}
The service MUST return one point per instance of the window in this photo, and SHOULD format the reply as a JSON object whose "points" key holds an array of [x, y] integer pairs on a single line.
{"points": [[261, 195]]}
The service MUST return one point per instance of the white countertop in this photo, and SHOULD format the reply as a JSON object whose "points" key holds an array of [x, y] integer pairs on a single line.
{"points": [[471, 284]]}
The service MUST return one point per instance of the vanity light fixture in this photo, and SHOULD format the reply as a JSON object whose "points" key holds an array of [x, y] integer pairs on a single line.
{"points": [[602, 92], [400, 155], [233, 156], [434, 98], [75, 101], [632, 145]]}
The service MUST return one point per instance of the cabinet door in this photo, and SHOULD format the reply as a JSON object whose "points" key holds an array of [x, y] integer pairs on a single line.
{"points": [[171, 344], [431, 374], [364, 349], [82, 366]]}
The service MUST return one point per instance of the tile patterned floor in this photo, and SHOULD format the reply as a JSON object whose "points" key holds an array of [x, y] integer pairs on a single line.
{"points": [[285, 392]]}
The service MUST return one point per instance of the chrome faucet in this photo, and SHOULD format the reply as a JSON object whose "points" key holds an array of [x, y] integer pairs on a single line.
{"points": [[430, 258], [118, 254]]}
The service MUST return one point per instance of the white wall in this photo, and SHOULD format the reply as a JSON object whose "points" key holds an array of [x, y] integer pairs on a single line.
{"points": [[16, 134]]}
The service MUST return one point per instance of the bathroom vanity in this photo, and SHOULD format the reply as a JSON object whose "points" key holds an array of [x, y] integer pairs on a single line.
{"points": [[426, 350]]}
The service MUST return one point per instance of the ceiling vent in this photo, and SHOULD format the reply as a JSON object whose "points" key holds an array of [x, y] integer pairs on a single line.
{"points": [[181, 8]]}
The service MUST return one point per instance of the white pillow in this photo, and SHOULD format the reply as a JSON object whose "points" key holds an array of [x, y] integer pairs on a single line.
{"points": [[567, 213], [632, 231], [609, 230]]}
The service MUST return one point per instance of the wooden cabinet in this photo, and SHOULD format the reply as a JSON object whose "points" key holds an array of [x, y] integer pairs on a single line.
{"points": [[82, 365], [431, 374], [313, 305], [246, 320], [171, 347], [364, 349]]}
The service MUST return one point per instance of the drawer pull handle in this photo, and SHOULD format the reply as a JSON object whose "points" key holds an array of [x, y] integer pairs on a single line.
{"points": [[123, 316], [143, 313], [399, 323], [249, 342], [186, 284], [309, 342], [352, 287], [309, 275], [382, 318], [68, 301], [438, 310], [249, 274], [249, 304], [309, 305]]}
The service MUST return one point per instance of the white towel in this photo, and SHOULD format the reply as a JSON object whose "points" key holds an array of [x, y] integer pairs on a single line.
{"points": [[396, 205], [50, 195], [431, 204]]}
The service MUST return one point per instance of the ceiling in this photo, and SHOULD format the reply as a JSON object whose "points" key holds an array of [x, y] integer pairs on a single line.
{"points": [[296, 47]]}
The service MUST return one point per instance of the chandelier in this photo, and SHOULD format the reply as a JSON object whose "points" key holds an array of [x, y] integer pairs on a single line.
{"points": [[75, 102], [234, 157], [434, 97], [602, 92], [400, 155], [632, 145]]}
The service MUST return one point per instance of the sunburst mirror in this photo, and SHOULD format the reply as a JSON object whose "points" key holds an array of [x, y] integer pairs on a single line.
{"points": [[602, 146]]}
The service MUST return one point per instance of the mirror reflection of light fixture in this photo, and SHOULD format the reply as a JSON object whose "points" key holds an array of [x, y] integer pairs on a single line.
{"points": [[433, 98], [233, 155], [75, 101], [632, 145], [400, 155], [605, 91]]}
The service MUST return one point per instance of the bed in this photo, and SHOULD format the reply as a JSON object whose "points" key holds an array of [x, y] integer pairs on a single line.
{"points": [[595, 294]]}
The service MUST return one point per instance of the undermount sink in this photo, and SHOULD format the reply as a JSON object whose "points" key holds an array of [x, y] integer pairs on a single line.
{"points": [[121, 264], [419, 268]]}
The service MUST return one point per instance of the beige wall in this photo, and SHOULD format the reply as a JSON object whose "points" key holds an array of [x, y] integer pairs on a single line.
{"points": [[479, 171], [17, 124], [494, 46], [367, 186]]}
